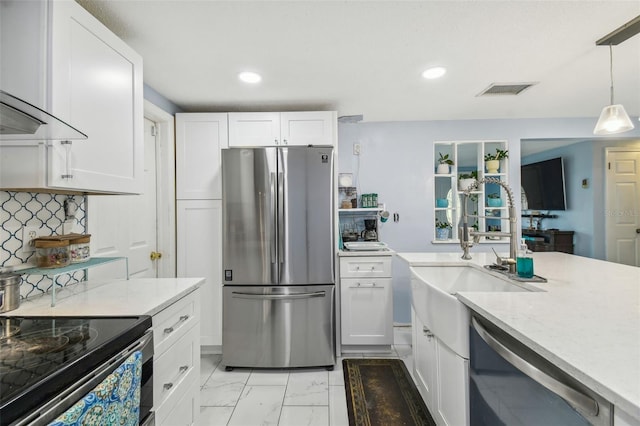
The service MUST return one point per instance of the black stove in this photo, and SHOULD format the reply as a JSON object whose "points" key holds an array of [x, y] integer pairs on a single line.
{"points": [[40, 356]]}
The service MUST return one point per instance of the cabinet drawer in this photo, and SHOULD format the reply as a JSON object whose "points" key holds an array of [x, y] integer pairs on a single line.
{"points": [[169, 323], [175, 366], [185, 412], [365, 267]]}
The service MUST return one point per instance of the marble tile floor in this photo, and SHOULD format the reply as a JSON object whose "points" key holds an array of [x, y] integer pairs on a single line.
{"points": [[284, 397]]}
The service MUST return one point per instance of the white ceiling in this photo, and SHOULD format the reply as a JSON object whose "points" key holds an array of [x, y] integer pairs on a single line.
{"points": [[366, 57]]}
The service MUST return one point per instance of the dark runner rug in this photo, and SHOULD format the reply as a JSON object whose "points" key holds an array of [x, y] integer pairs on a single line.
{"points": [[381, 392]]}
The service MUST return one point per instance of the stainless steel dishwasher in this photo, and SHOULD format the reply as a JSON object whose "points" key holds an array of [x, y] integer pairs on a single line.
{"points": [[512, 385]]}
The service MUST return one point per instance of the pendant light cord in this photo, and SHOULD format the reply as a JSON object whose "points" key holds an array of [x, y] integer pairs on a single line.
{"points": [[611, 70]]}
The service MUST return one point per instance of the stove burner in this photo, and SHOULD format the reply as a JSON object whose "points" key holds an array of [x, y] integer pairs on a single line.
{"points": [[29, 349]]}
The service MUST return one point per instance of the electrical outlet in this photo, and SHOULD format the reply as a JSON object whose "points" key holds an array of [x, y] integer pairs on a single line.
{"points": [[356, 149], [28, 234]]}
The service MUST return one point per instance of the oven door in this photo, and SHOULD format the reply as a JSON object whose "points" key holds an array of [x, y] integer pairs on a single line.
{"points": [[123, 364]]}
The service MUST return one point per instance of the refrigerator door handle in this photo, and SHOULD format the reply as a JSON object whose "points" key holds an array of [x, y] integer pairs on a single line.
{"points": [[272, 216], [241, 295], [281, 218]]}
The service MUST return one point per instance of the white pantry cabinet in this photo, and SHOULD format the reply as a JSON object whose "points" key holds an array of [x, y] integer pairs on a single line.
{"points": [[366, 298], [78, 70], [300, 128], [199, 254], [199, 137], [441, 375]]}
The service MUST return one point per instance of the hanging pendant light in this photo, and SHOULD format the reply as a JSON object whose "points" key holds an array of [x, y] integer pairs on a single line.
{"points": [[613, 118]]}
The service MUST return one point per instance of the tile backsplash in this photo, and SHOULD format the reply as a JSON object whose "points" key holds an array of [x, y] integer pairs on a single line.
{"points": [[44, 211]]}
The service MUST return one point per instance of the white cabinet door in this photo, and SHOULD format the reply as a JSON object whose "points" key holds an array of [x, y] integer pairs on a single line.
{"points": [[301, 128], [452, 394], [86, 76], [424, 362], [254, 129], [96, 84], [199, 254], [308, 128], [366, 312], [199, 137]]}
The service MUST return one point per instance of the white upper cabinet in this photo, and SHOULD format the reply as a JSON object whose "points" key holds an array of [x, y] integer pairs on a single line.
{"points": [[93, 82], [302, 128], [254, 129], [199, 137]]}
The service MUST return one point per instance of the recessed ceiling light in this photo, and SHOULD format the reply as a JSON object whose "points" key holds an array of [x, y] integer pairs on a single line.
{"points": [[250, 77], [435, 72]]}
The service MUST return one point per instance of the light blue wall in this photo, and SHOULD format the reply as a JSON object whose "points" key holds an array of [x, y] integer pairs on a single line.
{"points": [[397, 162], [160, 101], [578, 217]]}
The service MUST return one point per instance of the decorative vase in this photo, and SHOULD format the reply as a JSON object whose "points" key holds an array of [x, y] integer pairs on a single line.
{"points": [[494, 202], [492, 166], [464, 184], [442, 233], [443, 169], [442, 202]]}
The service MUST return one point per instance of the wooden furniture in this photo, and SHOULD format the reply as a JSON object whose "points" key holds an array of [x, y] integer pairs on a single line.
{"points": [[549, 240]]}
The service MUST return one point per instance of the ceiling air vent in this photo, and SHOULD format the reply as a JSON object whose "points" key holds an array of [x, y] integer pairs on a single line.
{"points": [[505, 89]]}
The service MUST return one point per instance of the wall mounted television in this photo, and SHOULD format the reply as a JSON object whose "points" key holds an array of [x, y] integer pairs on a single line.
{"points": [[543, 185]]}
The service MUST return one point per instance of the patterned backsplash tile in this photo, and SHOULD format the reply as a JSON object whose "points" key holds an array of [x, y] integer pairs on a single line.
{"points": [[44, 211]]}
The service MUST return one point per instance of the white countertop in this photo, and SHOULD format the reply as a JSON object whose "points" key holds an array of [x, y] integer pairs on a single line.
{"points": [[143, 296], [358, 253], [586, 321]]}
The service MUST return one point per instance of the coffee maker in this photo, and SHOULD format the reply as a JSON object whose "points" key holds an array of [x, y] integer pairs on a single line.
{"points": [[369, 233]]}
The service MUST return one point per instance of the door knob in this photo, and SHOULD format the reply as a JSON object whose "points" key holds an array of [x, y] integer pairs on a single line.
{"points": [[155, 255]]}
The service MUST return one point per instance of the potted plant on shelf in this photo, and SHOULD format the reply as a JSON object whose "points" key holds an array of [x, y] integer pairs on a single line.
{"points": [[444, 162], [465, 180], [494, 200], [492, 161], [442, 230]]}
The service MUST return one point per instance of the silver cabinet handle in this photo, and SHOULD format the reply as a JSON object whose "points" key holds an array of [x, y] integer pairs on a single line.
{"points": [[427, 332], [171, 329], [284, 141], [575, 398], [638, 231], [183, 368], [167, 386], [357, 268], [373, 268]]}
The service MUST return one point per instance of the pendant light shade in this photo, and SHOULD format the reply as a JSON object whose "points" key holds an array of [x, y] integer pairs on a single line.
{"points": [[613, 118]]}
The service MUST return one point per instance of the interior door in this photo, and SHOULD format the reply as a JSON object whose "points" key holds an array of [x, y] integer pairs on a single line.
{"points": [[126, 225], [622, 213], [305, 204]]}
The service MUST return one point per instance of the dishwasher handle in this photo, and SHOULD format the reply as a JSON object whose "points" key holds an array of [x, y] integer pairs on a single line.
{"points": [[260, 296], [576, 399]]}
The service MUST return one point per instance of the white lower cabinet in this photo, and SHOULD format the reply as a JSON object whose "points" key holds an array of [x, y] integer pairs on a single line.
{"points": [[441, 375], [366, 300], [176, 362], [199, 254]]}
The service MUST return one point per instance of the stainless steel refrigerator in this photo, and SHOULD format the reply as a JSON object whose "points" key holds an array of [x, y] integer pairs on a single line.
{"points": [[278, 257]]}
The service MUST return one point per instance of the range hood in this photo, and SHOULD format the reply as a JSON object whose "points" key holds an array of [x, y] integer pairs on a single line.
{"points": [[19, 120]]}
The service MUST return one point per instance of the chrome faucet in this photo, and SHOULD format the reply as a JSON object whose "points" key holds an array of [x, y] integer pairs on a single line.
{"points": [[468, 238]]}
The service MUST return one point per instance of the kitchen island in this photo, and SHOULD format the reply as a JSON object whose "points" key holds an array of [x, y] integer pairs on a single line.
{"points": [[174, 307], [586, 320]]}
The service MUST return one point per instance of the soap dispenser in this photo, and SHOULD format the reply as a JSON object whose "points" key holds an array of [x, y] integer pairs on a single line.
{"points": [[524, 262]]}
